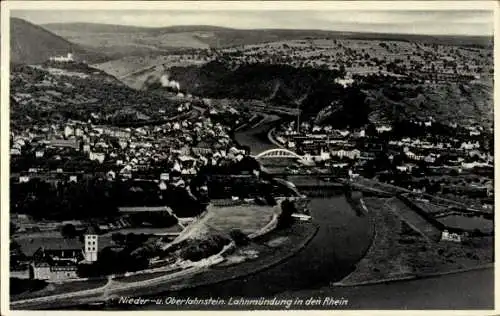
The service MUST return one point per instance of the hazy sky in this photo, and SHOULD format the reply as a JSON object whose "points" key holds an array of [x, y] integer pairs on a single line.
{"points": [[472, 22]]}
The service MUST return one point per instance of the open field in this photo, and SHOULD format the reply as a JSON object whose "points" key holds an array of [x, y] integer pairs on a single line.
{"points": [[137, 42], [135, 70], [358, 55], [248, 218], [102, 35]]}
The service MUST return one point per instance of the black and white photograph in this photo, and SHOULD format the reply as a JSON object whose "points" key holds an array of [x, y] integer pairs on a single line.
{"points": [[240, 156]]}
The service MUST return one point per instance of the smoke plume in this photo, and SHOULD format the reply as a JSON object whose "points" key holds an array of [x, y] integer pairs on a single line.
{"points": [[167, 83]]}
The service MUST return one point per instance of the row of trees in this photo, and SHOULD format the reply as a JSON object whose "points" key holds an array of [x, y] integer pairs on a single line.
{"points": [[96, 198]]}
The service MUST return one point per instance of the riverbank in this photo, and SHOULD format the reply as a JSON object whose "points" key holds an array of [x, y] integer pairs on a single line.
{"points": [[399, 252]]}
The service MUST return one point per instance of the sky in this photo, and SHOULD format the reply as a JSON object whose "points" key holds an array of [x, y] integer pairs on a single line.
{"points": [[432, 22]]}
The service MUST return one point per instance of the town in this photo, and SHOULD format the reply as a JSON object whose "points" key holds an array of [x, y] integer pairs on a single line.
{"points": [[301, 158]]}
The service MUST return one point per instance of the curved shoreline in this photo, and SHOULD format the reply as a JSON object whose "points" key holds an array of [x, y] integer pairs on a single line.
{"points": [[416, 277], [368, 249], [270, 136]]}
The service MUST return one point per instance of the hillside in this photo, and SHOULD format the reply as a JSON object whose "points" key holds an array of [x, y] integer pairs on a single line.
{"points": [[319, 97], [55, 92], [32, 44], [120, 41], [101, 28], [281, 84], [143, 40], [446, 102]]}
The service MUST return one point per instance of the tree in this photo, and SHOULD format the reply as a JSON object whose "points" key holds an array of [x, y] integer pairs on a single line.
{"points": [[239, 237], [13, 228], [69, 231], [270, 200], [342, 70], [200, 249], [14, 246], [118, 238], [285, 219]]}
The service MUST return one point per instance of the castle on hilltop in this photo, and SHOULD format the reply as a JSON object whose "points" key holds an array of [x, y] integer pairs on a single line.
{"points": [[65, 59]]}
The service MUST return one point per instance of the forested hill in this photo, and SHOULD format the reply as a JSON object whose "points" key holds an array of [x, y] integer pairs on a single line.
{"points": [[314, 90]]}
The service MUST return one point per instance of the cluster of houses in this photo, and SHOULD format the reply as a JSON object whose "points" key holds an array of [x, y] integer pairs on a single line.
{"points": [[326, 144], [184, 144]]}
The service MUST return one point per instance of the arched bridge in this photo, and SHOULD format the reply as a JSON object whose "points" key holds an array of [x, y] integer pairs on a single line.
{"points": [[278, 153], [283, 153]]}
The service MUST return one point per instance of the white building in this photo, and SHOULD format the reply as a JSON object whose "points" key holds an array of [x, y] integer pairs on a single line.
{"points": [[91, 247], [351, 154], [86, 148], [344, 81], [97, 156], [469, 145], [383, 129], [447, 236], [68, 131], [62, 59], [24, 179]]}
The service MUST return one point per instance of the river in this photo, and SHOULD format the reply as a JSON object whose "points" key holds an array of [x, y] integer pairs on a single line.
{"points": [[256, 138]]}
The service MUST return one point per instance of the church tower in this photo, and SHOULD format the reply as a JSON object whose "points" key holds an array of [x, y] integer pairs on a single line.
{"points": [[91, 245]]}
